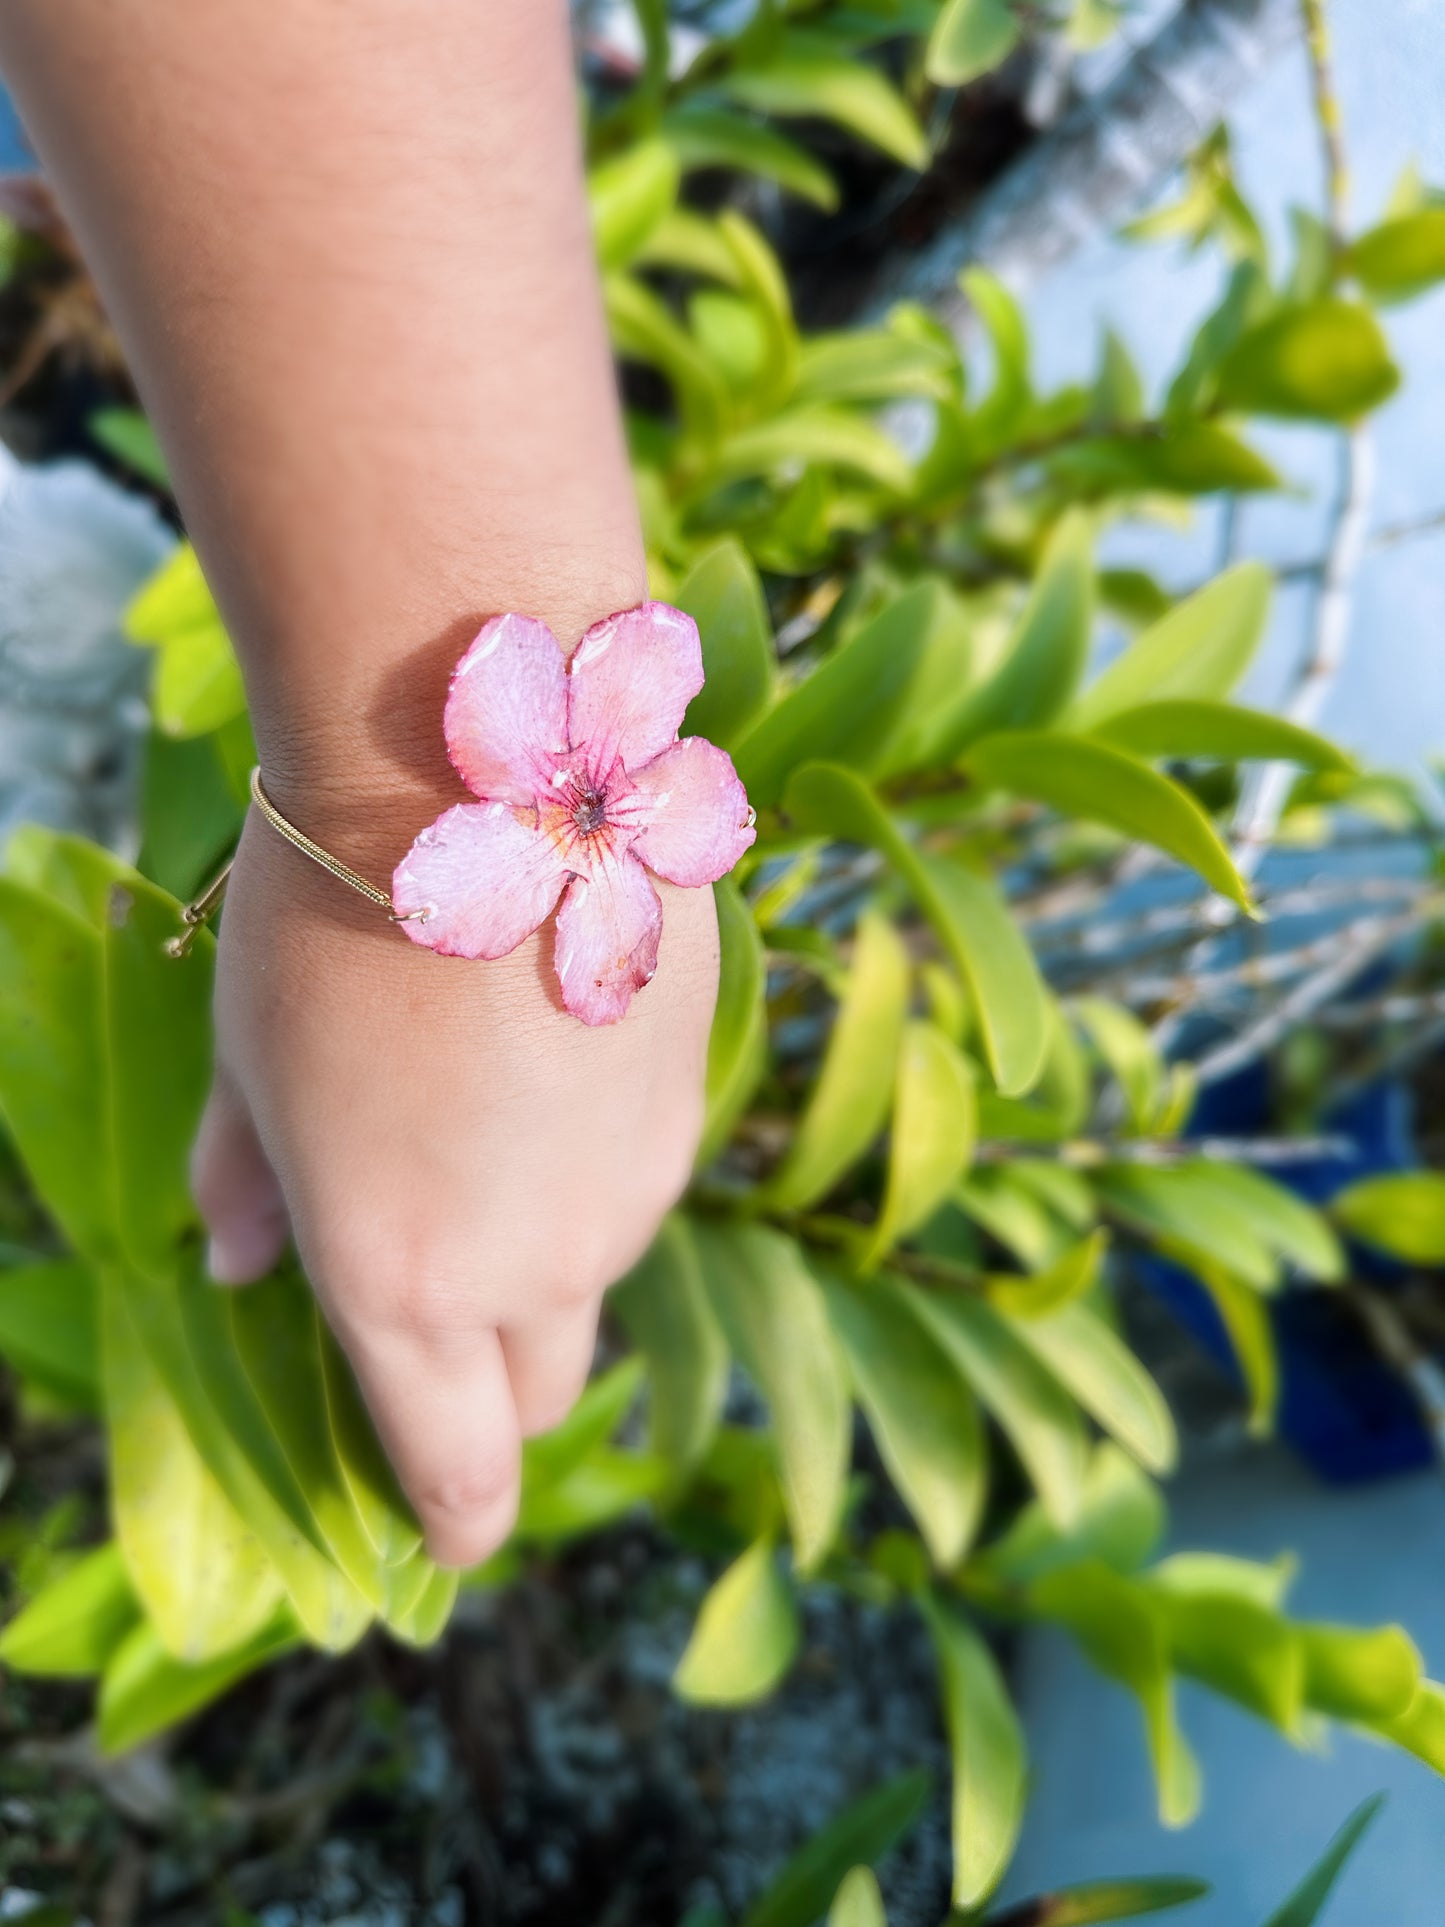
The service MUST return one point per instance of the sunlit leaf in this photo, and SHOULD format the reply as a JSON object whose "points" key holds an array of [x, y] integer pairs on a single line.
{"points": [[704, 136], [145, 1689], [858, 1903], [808, 77], [1402, 257], [1326, 360], [746, 1634], [971, 37], [723, 596], [664, 1305], [629, 196], [1107, 1380], [1222, 731], [71, 1628], [1403, 1213], [990, 1762], [934, 1129]]}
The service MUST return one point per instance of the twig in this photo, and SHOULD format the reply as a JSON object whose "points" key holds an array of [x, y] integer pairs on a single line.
{"points": [[1084, 1154]]}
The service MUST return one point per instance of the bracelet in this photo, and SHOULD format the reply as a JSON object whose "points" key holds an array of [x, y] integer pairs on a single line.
{"points": [[582, 792]]}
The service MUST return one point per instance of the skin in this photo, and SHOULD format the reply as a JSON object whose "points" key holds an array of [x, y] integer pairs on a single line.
{"points": [[345, 244]]}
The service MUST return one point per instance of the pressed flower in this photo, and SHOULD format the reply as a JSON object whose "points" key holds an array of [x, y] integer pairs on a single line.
{"points": [[583, 788]]}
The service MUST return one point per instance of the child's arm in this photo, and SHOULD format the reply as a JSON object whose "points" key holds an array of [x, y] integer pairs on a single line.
{"points": [[345, 243]]}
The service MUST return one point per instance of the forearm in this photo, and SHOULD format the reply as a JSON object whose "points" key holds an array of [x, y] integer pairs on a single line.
{"points": [[345, 245]]}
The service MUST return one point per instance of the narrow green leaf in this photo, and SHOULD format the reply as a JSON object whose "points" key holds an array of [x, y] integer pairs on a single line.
{"points": [[1187, 458], [206, 1584], [808, 78], [872, 364], [1107, 1379], [1222, 731], [772, 1310], [70, 1630], [1081, 777], [1038, 1294], [970, 918], [851, 705], [1130, 1053], [970, 38], [990, 1761], [644, 329], [664, 1305], [1036, 1414], [629, 196], [723, 596], [934, 1129], [1121, 1628], [52, 1069], [145, 1689], [1182, 1204], [50, 1328], [1306, 1903], [704, 136], [1200, 649], [860, 1835], [593, 1420], [126, 434], [1099, 1900], [821, 433], [380, 1505], [1121, 1521], [737, 1044], [745, 1637], [851, 1097], [1402, 257], [1045, 656], [1403, 1213], [858, 1902], [922, 1415], [1327, 360], [1245, 1316]]}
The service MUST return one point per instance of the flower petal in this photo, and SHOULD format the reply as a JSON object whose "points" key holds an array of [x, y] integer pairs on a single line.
{"points": [[485, 878], [506, 713], [631, 679], [699, 822], [607, 935]]}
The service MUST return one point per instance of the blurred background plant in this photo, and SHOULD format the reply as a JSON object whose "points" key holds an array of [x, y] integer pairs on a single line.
{"points": [[1067, 1009]]}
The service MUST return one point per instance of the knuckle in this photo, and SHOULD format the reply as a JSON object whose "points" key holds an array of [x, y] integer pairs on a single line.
{"points": [[487, 1484]]}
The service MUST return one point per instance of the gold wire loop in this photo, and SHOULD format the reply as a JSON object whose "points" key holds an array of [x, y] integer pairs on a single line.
{"points": [[198, 913]]}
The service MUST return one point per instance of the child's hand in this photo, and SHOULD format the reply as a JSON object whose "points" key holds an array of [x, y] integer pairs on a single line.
{"points": [[464, 1166]]}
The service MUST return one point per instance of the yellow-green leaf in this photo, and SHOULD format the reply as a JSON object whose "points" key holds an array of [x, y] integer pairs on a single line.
{"points": [[1403, 1213], [934, 1129], [146, 1689], [664, 1305], [990, 1761], [629, 196], [746, 1634], [71, 1628], [723, 596], [969, 38], [808, 77], [1222, 731], [858, 1903], [1324, 360], [1107, 1380], [737, 1044]]}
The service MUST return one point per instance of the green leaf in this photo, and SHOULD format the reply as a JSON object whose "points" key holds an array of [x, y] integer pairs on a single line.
{"points": [[1039, 1294], [126, 434], [1107, 1380], [593, 1420], [629, 196], [934, 1129], [1403, 257], [1001, 415], [427, 1620], [198, 683], [921, 1413], [1327, 360], [377, 1498], [860, 1835], [1246, 1320], [851, 1098], [1121, 1627], [690, 243], [52, 1069], [990, 1762], [49, 1328], [1181, 1204], [145, 1689], [704, 136], [1367, 1675], [971, 920], [1186, 457], [1130, 1053], [1045, 655], [824, 433], [1403, 1213], [158, 1052], [858, 1903], [1238, 1648], [1306, 1903], [1039, 1418], [1218, 730], [1421, 1729], [970, 38], [737, 1044], [1080, 777], [199, 1570], [1283, 1221], [70, 1630], [1121, 1521], [772, 1310], [664, 1305], [644, 329], [762, 279], [1200, 649], [808, 78], [745, 1637], [723, 596], [273, 1327], [852, 705], [1099, 1900], [872, 364]]}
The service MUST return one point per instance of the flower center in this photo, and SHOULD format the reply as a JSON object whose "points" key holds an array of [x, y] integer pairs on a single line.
{"points": [[589, 811]]}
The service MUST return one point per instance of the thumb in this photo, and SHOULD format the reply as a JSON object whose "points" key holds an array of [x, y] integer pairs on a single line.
{"points": [[236, 1190]]}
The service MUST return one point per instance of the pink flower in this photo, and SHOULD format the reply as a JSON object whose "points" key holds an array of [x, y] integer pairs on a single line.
{"points": [[582, 782]]}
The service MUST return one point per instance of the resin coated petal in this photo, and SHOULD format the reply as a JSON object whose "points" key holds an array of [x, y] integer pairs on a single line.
{"points": [[698, 823], [506, 712], [486, 878], [631, 679], [607, 935]]}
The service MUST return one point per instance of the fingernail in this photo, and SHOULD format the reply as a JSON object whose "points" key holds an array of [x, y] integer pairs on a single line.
{"points": [[242, 1253]]}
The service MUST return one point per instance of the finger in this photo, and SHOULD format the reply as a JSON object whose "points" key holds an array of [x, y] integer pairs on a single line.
{"points": [[548, 1362], [443, 1408], [236, 1191]]}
